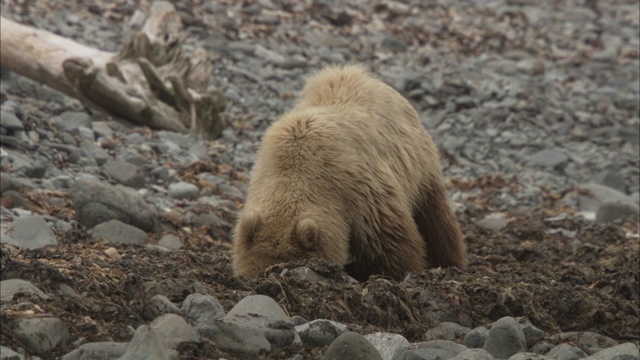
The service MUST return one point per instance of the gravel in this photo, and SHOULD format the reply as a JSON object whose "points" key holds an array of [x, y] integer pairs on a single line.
{"points": [[534, 106]]}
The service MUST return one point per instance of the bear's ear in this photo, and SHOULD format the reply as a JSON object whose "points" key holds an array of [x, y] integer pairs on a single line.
{"points": [[307, 233], [249, 223]]}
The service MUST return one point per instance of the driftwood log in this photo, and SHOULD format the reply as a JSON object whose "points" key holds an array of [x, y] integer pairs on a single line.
{"points": [[151, 81]]}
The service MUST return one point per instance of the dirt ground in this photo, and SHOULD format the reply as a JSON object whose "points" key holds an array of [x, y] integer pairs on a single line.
{"points": [[588, 281]]}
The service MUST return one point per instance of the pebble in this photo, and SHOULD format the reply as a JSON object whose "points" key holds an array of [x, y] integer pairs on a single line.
{"points": [[164, 305], [97, 350], [505, 338], [117, 231], [159, 339], [41, 334], [170, 241], [433, 350], [566, 352], [320, 332], [612, 210], [183, 190], [474, 354], [96, 202], [617, 352], [352, 346], [447, 331], [201, 308], [235, 339], [10, 287], [389, 345], [125, 173], [70, 121], [552, 159], [30, 232], [476, 337]]}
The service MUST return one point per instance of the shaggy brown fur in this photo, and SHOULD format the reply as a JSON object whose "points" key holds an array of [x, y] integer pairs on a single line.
{"points": [[349, 175]]}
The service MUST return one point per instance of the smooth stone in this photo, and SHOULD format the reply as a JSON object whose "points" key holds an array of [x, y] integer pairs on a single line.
{"points": [[258, 310], [13, 199], [183, 190], [626, 351], [235, 339], [389, 345], [97, 350], [170, 241], [505, 338], [599, 195], [8, 354], [125, 173], [30, 232], [529, 356], [164, 305], [10, 121], [201, 308], [320, 332], [204, 218], [566, 352], [584, 339], [117, 231], [159, 339], [613, 210], [96, 202], [447, 331], [474, 354], [476, 337], [41, 334], [6, 183], [548, 159], [351, 346], [10, 287], [433, 350], [305, 274], [71, 120], [531, 333]]}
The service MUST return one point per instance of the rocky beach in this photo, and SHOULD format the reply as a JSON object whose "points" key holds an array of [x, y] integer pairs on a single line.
{"points": [[116, 238]]}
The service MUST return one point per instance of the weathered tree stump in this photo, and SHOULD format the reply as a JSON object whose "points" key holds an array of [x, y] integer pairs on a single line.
{"points": [[151, 81]]}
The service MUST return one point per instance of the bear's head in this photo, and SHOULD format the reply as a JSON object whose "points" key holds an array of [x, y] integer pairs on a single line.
{"points": [[262, 241]]}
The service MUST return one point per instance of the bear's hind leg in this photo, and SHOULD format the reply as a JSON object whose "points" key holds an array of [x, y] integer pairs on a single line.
{"points": [[439, 228]]}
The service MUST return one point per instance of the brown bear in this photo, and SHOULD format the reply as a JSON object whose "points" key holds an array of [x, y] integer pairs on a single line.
{"points": [[349, 175]]}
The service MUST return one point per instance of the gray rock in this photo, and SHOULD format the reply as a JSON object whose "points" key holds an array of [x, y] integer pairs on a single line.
{"points": [[8, 288], [447, 331], [183, 190], [204, 218], [394, 44], [102, 129], [10, 121], [96, 152], [35, 171], [505, 338], [434, 350], [389, 345], [626, 351], [612, 210], [598, 195], [531, 333], [542, 347], [96, 202], [30, 232], [86, 133], [41, 335], [263, 313], [320, 332], [474, 354], [305, 274], [584, 339], [351, 346], [258, 310], [164, 305], [159, 339], [494, 221], [235, 339], [201, 308], [125, 173], [97, 350], [566, 352], [170, 241], [13, 199], [476, 337], [70, 121], [8, 354], [117, 231], [6, 183], [551, 159], [529, 356], [298, 320]]}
